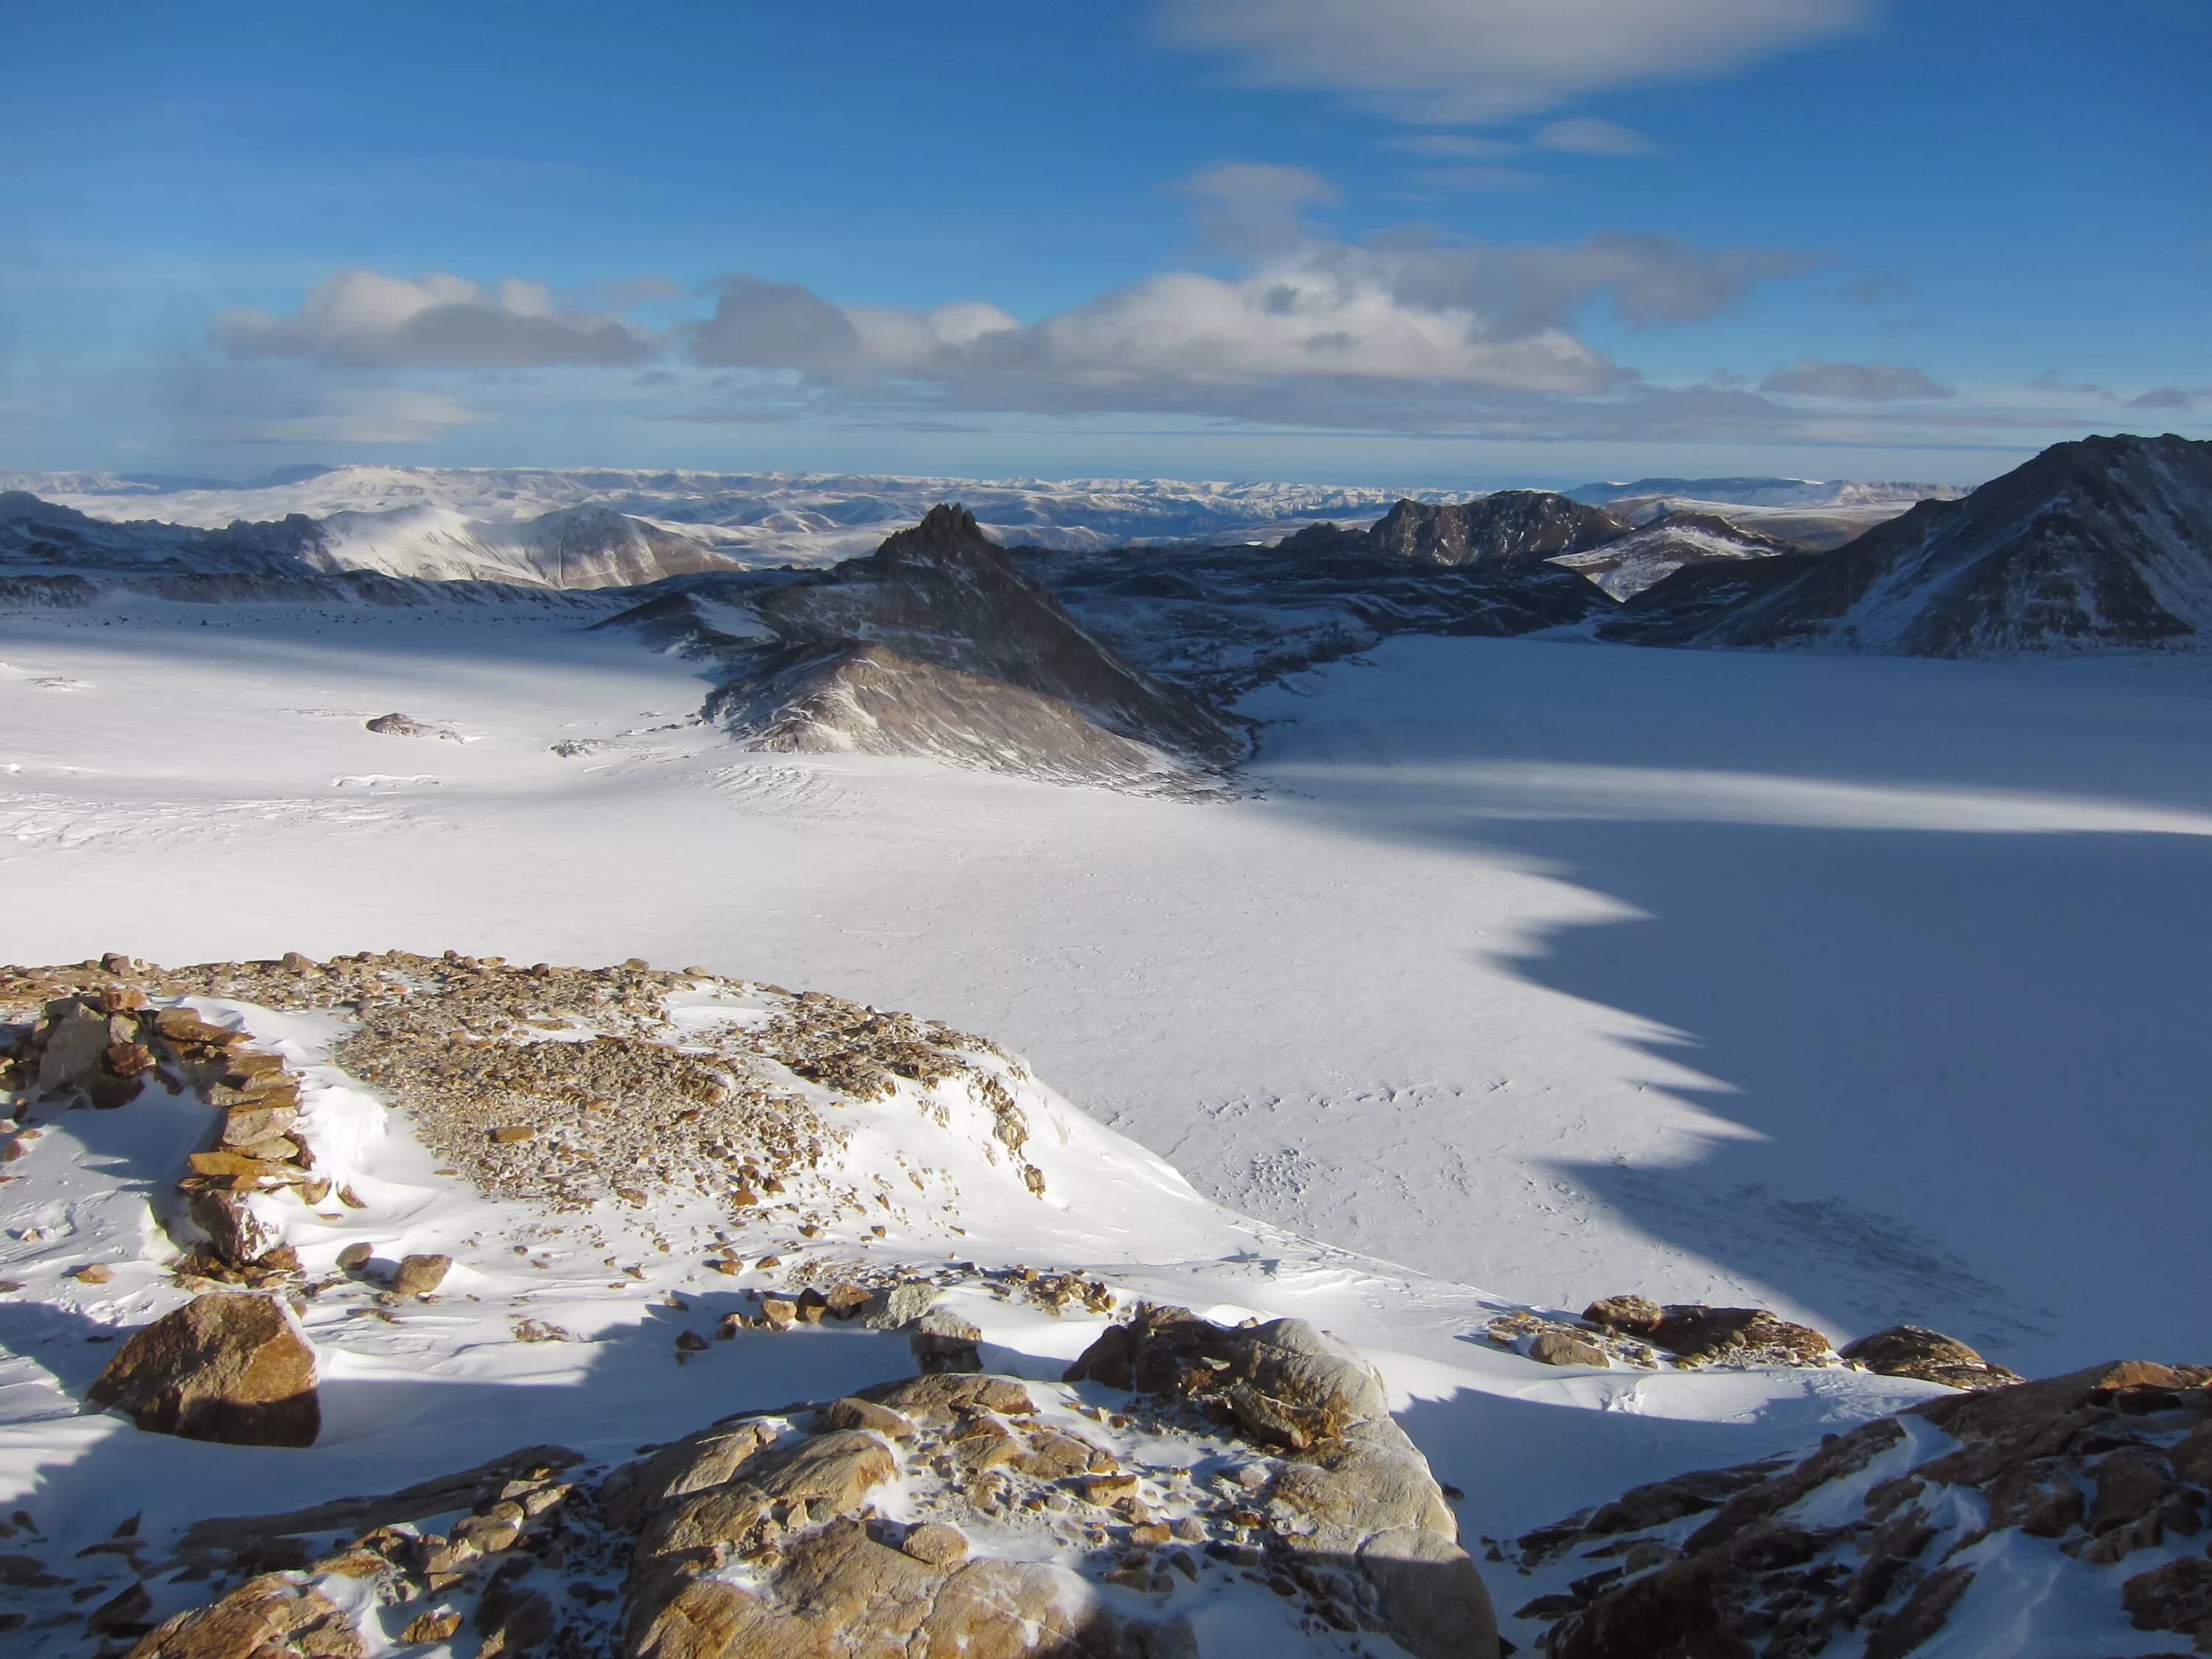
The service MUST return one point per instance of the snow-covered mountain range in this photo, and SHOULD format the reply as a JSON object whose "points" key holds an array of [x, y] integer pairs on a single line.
{"points": [[425, 520]]}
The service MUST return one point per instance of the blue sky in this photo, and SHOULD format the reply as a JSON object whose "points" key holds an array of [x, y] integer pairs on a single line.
{"points": [[1413, 241]]}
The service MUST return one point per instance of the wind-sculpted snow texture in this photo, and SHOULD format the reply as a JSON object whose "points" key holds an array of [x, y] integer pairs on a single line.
{"points": [[2102, 543]]}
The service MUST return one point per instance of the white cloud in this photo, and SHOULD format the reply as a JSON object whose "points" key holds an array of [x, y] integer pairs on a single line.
{"points": [[371, 416], [1872, 383], [1453, 61], [366, 319], [1586, 135], [1384, 336]]}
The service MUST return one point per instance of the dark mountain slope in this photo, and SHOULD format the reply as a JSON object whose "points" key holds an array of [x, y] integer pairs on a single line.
{"points": [[2098, 545]]}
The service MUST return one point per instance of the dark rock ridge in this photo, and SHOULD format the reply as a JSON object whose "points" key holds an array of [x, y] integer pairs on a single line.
{"points": [[2098, 545], [937, 644], [1222, 620], [1874, 1542], [1510, 527]]}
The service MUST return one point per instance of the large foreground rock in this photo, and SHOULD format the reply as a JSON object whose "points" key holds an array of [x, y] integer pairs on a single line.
{"points": [[1359, 1519], [230, 1366]]}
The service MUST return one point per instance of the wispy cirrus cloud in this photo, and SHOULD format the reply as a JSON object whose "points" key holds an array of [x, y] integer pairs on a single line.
{"points": [[1588, 134], [364, 416], [1445, 62], [364, 318], [1871, 383]]}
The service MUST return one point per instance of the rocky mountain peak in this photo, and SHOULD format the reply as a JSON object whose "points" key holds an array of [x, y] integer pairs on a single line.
{"points": [[1510, 527], [947, 529]]}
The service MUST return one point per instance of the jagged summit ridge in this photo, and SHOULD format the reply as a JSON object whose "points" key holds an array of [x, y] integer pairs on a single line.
{"points": [[1512, 526]]}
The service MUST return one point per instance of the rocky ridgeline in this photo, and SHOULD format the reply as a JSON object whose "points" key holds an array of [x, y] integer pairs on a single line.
{"points": [[513, 1075], [1877, 1541], [1635, 1331], [1182, 1465]]}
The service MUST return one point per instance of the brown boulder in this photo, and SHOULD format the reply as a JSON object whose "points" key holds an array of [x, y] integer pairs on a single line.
{"points": [[1632, 1315], [419, 1275], [229, 1367], [1559, 1348]]}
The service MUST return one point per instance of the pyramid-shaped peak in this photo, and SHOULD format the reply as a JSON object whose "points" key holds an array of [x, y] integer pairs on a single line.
{"points": [[948, 527]]}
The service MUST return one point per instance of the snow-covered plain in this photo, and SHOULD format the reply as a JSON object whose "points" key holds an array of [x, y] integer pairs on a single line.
{"points": [[1869, 989]]}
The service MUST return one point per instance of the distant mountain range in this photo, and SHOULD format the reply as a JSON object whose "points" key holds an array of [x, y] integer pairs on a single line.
{"points": [[1119, 664], [444, 521], [1765, 492]]}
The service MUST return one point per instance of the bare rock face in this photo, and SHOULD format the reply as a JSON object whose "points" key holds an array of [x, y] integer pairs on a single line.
{"points": [[1723, 1562], [230, 1366], [1512, 526]]}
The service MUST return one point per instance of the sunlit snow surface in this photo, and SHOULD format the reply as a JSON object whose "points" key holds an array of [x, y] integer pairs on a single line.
{"points": [[1867, 990]]}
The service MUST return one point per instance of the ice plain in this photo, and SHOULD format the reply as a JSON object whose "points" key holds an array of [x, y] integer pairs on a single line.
{"points": [[1865, 988]]}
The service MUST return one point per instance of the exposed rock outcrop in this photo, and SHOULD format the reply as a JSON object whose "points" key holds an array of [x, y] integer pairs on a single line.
{"points": [[1915, 1352], [230, 1366], [1884, 1530], [1633, 1330], [1357, 1510], [1509, 527]]}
